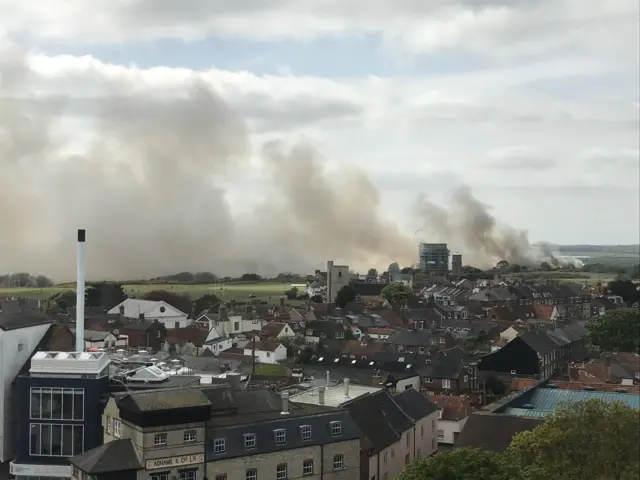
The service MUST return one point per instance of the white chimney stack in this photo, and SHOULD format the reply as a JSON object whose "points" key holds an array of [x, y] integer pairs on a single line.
{"points": [[346, 388], [284, 396], [80, 292], [328, 378], [321, 395]]}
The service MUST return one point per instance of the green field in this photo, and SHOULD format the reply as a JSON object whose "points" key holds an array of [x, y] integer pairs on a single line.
{"points": [[590, 278], [240, 292]]}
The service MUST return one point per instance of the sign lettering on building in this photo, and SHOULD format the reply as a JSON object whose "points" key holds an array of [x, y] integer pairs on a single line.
{"points": [[179, 461]]}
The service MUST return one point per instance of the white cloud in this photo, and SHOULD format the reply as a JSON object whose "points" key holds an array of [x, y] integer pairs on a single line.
{"points": [[502, 28]]}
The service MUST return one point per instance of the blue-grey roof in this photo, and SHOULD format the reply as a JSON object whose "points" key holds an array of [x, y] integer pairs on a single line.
{"points": [[546, 400]]}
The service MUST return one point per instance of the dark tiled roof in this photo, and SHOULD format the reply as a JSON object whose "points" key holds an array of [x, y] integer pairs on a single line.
{"points": [[446, 364], [115, 456], [149, 401], [411, 338], [414, 404], [379, 418], [492, 432], [23, 319], [368, 289], [17, 306], [539, 341]]}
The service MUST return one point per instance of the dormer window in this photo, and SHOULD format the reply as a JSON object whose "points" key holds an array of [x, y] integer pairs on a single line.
{"points": [[280, 436], [249, 441], [336, 428], [305, 432]]}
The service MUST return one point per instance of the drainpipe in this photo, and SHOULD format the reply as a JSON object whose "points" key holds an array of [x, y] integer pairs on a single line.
{"points": [[322, 461]]}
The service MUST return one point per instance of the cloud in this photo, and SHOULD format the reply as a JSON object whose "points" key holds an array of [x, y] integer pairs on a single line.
{"points": [[520, 157], [489, 27]]}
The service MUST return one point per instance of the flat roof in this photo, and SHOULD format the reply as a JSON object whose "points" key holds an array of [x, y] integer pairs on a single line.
{"points": [[334, 396], [79, 363]]}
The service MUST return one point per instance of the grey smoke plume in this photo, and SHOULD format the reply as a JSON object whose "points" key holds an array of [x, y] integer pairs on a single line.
{"points": [[146, 190], [467, 226]]}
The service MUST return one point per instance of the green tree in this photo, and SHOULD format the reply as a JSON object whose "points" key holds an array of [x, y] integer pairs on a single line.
{"points": [[585, 440], [292, 293], [317, 298], [65, 300], [345, 295], [463, 464], [210, 301], [372, 272], [395, 293], [617, 330], [624, 288]]}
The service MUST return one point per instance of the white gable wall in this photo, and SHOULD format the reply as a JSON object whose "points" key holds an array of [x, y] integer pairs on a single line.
{"points": [[15, 348], [170, 316]]}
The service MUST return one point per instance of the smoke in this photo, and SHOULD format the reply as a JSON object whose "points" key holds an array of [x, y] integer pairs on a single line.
{"points": [[467, 225], [147, 186], [147, 189]]}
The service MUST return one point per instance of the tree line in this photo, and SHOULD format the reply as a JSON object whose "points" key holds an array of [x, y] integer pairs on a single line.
{"points": [[590, 440]]}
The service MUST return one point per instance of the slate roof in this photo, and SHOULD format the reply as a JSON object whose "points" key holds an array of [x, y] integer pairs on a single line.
{"points": [[379, 418], [23, 319], [169, 399], [368, 289], [414, 404], [410, 338], [446, 364], [539, 341], [492, 432], [114, 456], [548, 400]]}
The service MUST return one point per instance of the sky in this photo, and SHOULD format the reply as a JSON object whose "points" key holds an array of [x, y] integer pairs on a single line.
{"points": [[534, 104]]}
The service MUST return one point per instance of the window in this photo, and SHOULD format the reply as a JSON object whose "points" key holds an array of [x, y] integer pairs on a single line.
{"points": [[466, 378], [160, 439], [117, 428], [440, 434], [305, 432], [190, 436], [157, 333], [188, 475], [339, 335], [219, 445], [109, 425], [57, 404], [433, 425], [307, 467], [281, 472], [418, 454], [160, 476], [251, 474], [446, 383], [221, 476], [336, 428], [407, 459], [421, 431], [280, 436], [338, 462], [236, 326], [56, 440], [249, 440], [393, 453], [385, 458], [428, 380], [20, 347], [176, 325]]}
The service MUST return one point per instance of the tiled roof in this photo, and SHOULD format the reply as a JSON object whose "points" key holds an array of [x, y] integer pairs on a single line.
{"points": [[379, 418], [454, 407], [361, 348], [414, 404], [492, 432], [164, 400], [112, 457], [23, 319], [192, 334]]}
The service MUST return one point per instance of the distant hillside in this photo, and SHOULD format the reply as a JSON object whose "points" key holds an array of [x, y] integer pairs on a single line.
{"points": [[600, 249]]}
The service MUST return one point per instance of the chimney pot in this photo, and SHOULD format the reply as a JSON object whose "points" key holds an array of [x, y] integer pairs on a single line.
{"points": [[321, 391], [284, 396], [346, 387]]}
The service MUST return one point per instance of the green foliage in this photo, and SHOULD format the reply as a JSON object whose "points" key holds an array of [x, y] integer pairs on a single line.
{"points": [[317, 298], [617, 330], [395, 293], [65, 300], [292, 293], [585, 440], [345, 295], [495, 386], [372, 272], [624, 288], [463, 464], [104, 294], [209, 301]]}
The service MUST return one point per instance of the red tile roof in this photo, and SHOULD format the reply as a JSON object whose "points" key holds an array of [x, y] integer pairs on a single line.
{"points": [[453, 407]]}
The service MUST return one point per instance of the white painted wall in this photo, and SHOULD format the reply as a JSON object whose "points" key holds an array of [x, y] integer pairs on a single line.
{"points": [[286, 332], [447, 430], [219, 346], [264, 356], [109, 341], [166, 314], [15, 348], [236, 324], [411, 382]]}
